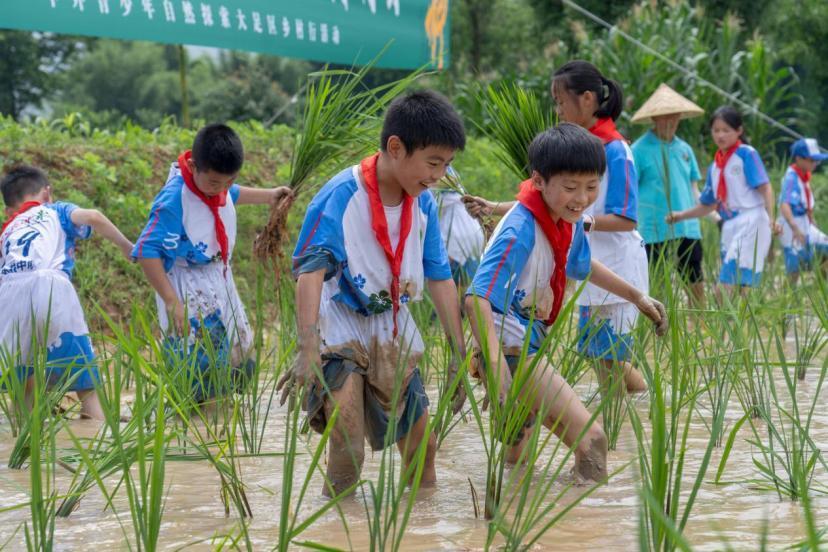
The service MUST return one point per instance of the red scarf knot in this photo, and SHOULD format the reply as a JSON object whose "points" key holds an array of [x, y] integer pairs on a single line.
{"points": [[606, 130], [212, 202], [805, 177], [721, 159], [380, 226], [559, 236], [23, 208]]}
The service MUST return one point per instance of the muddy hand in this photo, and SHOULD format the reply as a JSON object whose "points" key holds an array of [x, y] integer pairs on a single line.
{"points": [[477, 206], [656, 312], [459, 397], [281, 196], [299, 374]]}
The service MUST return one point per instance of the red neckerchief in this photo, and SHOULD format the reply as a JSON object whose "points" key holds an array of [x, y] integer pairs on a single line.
{"points": [[721, 159], [559, 236], [23, 208], [805, 177], [212, 202], [605, 130], [380, 226]]}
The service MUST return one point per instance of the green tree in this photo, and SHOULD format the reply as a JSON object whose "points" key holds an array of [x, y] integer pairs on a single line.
{"points": [[29, 63]]}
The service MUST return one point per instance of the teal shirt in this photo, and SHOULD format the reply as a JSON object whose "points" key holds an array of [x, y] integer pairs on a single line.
{"points": [[649, 153]]}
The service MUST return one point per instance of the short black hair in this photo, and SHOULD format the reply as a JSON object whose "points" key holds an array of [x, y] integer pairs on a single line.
{"points": [[218, 148], [421, 119], [567, 148], [21, 181]]}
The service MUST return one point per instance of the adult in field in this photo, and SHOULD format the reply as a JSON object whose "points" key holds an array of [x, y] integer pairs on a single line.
{"points": [[667, 181]]}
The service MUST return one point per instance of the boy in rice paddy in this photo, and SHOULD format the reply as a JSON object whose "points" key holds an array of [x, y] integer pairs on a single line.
{"points": [[369, 242], [185, 251], [518, 290], [37, 259], [801, 239]]}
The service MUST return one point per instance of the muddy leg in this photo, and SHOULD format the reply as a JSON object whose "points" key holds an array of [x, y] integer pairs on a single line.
{"points": [[633, 379], [567, 417], [346, 448], [513, 453], [90, 405], [409, 445]]}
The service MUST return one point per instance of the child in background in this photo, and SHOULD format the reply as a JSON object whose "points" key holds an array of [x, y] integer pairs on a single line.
{"points": [[737, 186], [801, 239], [37, 258], [185, 251], [462, 233], [585, 97], [369, 243], [519, 287]]}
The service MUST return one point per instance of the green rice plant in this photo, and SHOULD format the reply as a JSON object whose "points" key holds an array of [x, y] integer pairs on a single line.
{"points": [[290, 526], [789, 457], [515, 116], [666, 504], [810, 339], [40, 536]]}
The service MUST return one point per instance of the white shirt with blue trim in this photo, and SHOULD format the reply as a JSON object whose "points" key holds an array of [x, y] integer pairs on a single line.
{"points": [[42, 238], [515, 272], [744, 173]]}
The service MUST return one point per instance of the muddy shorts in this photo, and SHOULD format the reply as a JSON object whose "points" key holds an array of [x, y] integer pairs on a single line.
{"points": [[336, 370]]}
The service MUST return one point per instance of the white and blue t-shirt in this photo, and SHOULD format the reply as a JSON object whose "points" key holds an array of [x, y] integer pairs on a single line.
{"points": [[42, 238], [337, 235], [621, 252], [181, 228], [793, 193], [744, 173], [515, 272]]}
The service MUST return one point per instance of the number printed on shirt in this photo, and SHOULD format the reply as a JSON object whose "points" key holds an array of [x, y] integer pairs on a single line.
{"points": [[26, 241]]}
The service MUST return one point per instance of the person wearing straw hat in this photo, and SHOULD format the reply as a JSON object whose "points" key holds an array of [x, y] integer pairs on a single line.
{"points": [[667, 181]]}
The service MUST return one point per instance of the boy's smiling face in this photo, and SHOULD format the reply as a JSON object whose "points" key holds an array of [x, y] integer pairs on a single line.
{"points": [[567, 195], [210, 182], [419, 170]]}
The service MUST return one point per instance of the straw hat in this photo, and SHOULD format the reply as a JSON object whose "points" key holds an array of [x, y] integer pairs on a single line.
{"points": [[666, 101]]}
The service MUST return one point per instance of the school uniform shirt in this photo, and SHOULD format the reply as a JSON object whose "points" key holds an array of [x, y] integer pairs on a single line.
{"points": [[356, 319], [181, 232], [181, 229], [665, 167], [797, 254], [514, 276], [37, 259], [621, 252], [746, 234]]}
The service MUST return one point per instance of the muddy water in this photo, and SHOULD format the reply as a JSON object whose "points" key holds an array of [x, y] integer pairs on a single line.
{"points": [[442, 519]]}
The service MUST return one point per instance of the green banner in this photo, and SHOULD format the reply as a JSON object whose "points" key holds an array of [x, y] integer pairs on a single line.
{"points": [[337, 31]]}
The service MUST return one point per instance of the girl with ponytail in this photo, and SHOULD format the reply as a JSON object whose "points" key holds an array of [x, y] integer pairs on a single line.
{"points": [[585, 97]]}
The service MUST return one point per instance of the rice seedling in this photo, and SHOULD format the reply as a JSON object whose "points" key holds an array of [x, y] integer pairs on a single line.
{"points": [[290, 526], [788, 455], [666, 504], [40, 535]]}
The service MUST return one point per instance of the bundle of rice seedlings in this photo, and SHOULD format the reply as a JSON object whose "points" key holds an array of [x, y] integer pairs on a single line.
{"points": [[339, 112], [514, 116]]}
